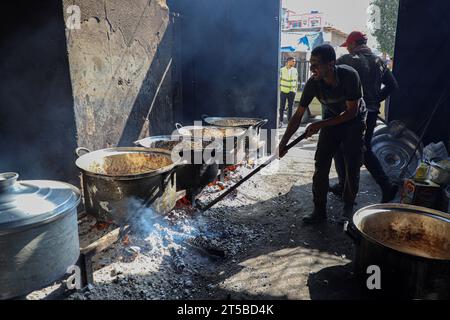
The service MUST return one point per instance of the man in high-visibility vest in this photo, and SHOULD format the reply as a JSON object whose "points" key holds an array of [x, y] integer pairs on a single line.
{"points": [[288, 87]]}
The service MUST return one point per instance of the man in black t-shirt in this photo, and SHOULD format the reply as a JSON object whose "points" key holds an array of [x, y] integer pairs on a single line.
{"points": [[338, 88]]}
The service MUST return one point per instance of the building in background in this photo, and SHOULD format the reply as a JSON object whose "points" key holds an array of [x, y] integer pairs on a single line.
{"points": [[303, 32]]}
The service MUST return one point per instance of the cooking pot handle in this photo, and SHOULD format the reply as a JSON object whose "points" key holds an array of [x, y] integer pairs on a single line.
{"points": [[169, 175], [178, 125], [350, 230], [81, 149], [261, 123]]}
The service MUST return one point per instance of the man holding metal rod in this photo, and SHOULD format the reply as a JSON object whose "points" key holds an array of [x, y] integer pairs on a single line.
{"points": [[339, 90]]}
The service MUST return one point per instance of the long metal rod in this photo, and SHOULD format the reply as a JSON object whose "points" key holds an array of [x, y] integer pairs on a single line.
{"points": [[251, 174]]}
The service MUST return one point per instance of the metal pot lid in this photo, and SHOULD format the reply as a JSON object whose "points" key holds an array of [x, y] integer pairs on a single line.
{"points": [[394, 154], [24, 203]]}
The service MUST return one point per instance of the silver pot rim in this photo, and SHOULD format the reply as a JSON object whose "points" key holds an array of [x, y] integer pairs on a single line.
{"points": [[185, 131], [259, 122], [406, 209], [89, 157]]}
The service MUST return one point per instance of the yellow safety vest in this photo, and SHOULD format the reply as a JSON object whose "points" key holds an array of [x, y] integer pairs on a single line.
{"points": [[288, 84]]}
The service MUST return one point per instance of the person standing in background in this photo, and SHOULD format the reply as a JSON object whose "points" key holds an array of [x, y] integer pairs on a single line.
{"points": [[288, 87]]}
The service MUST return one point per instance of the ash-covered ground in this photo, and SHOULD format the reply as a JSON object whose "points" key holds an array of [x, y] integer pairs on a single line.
{"points": [[251, 245]]}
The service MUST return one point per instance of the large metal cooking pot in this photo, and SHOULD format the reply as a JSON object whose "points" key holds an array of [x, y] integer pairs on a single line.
{"points": [[410, 245], [393, 149], [191, 176], [38, 233], [252, 125], [117, 180], [230, 140]]}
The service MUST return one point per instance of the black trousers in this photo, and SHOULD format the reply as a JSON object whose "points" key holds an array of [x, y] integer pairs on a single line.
{"points": [[289, 97], [370, 159], [349, 139]]}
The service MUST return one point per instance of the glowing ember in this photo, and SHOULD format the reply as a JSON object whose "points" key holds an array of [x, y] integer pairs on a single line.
{"points": [[231, 168], [100, 226], [183, 203], [126, 240]]}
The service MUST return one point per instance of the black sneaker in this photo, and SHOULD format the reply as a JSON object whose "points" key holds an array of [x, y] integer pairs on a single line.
{"points": [[317, 216], [389, 193], [336, 189]]}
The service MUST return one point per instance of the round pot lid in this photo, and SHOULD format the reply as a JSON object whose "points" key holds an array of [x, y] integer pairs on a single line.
{"points": [[24, 203]]}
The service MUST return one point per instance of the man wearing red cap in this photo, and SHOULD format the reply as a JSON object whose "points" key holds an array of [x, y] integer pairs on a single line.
{"points": [[374, 74]]}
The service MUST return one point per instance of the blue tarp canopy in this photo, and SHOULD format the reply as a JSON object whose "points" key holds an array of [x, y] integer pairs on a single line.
{"points": [[287, 49]]}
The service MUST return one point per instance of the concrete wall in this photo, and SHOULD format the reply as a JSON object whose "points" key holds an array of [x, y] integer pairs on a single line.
{"points": [[118, 59]]}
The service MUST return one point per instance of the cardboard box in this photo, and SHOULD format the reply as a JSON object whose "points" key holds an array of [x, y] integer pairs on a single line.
{"points": [[424, 193]]}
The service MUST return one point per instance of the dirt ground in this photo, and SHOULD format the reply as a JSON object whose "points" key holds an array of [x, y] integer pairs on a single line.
{"points": [[268, 253]]}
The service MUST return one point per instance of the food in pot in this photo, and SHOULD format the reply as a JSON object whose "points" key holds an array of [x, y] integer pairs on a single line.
{"points": [[234, 122], [416, 235], [184, 144], [213, 133], [130, 164], [165, 144]]}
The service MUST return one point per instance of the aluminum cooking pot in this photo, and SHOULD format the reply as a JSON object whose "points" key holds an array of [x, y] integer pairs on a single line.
{"points": [[38, 233], [230, 140], [235, 122], [116, 181], [252, 125], [191, 176], [410, 245]]}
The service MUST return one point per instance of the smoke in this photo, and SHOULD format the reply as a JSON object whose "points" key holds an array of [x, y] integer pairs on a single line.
{"points": [[165, 231]]}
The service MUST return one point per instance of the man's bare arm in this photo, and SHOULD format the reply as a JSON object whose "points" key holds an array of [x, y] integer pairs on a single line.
{"points": [[293, 125]]}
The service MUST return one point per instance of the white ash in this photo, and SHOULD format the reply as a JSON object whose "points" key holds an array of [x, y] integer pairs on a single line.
{"points": [[156, 260]]}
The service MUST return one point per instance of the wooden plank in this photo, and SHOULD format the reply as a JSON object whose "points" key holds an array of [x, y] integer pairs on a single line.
{"points": [[103, 243]]}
